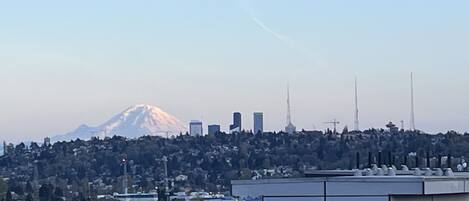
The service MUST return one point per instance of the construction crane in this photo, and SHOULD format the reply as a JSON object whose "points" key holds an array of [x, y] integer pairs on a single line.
{"points": [[334, 123]]}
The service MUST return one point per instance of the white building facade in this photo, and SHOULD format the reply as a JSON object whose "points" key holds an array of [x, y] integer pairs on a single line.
{"points": [[196, 128]]}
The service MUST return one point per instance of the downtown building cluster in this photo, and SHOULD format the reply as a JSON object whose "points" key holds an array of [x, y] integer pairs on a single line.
{"points": [[196, 126]]}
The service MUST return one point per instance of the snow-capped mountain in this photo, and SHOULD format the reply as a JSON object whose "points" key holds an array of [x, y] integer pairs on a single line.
{"points": [[134, 122]]}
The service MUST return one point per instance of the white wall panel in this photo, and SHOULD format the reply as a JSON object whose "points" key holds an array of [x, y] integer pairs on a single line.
{"points": [[442, 187], [411, 198], [280, 189], [358, 198], [293, 199], [457, 197], [466, 185], [461, 197], [373, 188]]}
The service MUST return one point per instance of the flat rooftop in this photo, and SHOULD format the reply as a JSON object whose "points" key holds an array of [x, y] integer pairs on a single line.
{"points": [[344, 184]]}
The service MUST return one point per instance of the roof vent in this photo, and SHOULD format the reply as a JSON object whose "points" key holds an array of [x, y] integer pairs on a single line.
{"points": [[391, 172], [385, 169], [380, 172], [374, 168], [405, 168], [368, 172], [417, 172], [357, 173], [449, 172], [428, 172], [438, 172]]}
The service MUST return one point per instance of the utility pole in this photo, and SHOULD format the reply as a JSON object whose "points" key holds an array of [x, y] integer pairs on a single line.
{"points": [[166, 186], [124, 183]]}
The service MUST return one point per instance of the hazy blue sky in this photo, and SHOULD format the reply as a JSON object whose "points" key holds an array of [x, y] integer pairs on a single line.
{"points": [[64, 63]]}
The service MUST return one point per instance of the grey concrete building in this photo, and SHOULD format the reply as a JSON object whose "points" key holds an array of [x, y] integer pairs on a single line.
{"points": [[258, 119], [236, 127], [329, 186], [213, 129]]}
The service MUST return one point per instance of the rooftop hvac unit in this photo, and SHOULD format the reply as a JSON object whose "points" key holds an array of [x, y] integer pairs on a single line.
{"points": [[438, 172], [417, 172], [368, 172], [405, 168], [380, 172], [357, 173], [449, 172], [428, 172], [385, 169], [391, 172]]}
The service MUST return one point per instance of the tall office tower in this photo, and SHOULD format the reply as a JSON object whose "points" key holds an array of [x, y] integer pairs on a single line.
{"points": [[213, 129], [195, 128], [236, 126], [4, 147], [290, 128], [258, 122]]}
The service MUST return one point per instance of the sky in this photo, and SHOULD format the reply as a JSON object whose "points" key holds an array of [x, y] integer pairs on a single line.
{"points": [[67, 63]]}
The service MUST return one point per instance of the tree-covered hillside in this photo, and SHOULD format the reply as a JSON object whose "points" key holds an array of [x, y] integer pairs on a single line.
{"points": [[88, 168]]}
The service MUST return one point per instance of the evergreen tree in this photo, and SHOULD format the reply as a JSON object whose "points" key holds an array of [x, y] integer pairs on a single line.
{"points": [[8, 197], [162, 194], [58, 194], [45, 192], [3, 186], [29, 197], [29, 188]]}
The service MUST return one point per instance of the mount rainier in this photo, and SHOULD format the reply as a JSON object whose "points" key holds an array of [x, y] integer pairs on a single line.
{"points": [[134, 122]]}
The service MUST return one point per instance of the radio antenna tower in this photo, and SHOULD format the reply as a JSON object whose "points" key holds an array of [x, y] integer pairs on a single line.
{"points": [[356, 122], [288, 105], [290, 128], [412, 114]]}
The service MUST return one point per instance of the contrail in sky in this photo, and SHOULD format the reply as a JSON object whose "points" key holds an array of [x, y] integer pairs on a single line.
{"points": [[283, 38]]}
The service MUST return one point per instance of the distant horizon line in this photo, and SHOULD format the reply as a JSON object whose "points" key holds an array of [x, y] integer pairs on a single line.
{"points": [[249, 131]]}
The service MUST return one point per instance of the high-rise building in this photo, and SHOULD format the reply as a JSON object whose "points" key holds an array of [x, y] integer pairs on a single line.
{"points": [[46, 142], [236, 126], [290, 128], [213, 129], [195, 128], [258, 122], [4, 147]]}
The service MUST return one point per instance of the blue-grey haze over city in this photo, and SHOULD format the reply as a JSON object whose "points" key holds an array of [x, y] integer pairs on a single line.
{"points": [[63, 64]]}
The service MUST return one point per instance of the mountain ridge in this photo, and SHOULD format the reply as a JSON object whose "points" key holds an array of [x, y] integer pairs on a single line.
{"points": [[135, 121]]}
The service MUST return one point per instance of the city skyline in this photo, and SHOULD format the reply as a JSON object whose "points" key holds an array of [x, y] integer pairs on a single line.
{"points": [[246, 121], [98, 58]]}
